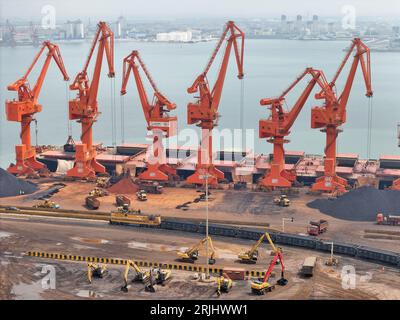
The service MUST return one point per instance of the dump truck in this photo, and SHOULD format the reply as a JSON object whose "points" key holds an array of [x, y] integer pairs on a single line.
{"points": [[92, 203], [98, 192], [151, 187], [307, 269], [282, 201], [317, 227], [141, 195], [389, 220], [122, 200]]}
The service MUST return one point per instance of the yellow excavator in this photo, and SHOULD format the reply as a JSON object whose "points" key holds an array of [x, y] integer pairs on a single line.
{"points": [[224, 284], [149, 278], [262, 285], [251, 256], [192, 254], [95, 270]]}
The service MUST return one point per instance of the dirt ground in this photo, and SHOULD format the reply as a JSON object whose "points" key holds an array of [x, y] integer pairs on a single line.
{"points": [[21, 276], [242, 207]]}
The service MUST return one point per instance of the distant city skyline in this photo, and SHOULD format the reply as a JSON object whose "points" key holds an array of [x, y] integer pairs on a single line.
{"points": [[167, 9]]}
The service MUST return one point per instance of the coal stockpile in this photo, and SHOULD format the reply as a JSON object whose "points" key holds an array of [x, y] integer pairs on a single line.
{"points": [[10, 186], [361, 204]]}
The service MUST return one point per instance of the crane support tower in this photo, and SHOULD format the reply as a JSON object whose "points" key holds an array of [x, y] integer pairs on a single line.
{"points": [[332, 114], [85, 108], [204, 112], [157, 118], [23, 109], [278, 126]]}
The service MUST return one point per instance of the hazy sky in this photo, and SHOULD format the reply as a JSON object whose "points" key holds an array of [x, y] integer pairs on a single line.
{"points": [[194, 8]]}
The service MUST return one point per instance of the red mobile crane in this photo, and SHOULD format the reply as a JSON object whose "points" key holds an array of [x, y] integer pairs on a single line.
{"points": [[278, 126], [156, 115], [23, 109], [84, 108], [333, 113], [204, 112]]}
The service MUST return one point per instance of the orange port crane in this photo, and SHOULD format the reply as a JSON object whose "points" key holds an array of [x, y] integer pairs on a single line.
{"points": [[333, 113], [23, 109], [85, 108], [157, 118], [278, 126], [204, 112]]}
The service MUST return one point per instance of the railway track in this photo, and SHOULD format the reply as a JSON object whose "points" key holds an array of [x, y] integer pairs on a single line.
{"points": [[231, 230]]}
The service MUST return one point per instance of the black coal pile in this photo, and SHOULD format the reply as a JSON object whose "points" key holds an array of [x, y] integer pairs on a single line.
{"points": [[361, 204], [11, 186]]}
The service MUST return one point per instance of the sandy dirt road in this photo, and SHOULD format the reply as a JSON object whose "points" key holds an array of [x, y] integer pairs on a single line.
{"points": [[21, 275]]}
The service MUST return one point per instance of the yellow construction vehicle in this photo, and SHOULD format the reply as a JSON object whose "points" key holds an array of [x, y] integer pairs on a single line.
{"points": [[126, 209], [332, 261], [142, 276], [95, 271], [135, 218], [47, 204], [192, 254], [282, 201], [102, 182], [149, 278], [141, 195], [98, 192], [262, 285], [224, 284], [251, 256]]}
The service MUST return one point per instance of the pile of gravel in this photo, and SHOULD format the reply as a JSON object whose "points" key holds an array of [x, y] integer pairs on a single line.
{"points": [[361, 204], [10, 186]]}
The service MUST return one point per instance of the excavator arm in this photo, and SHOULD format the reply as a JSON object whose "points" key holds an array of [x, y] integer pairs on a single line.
{"points": [[192, 252]]}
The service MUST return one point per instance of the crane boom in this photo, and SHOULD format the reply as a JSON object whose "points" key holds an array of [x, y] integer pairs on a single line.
{"points": [[23, 109], [333, 113], [278, 126], [156, 115], [85, 107], [204, 112]]}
